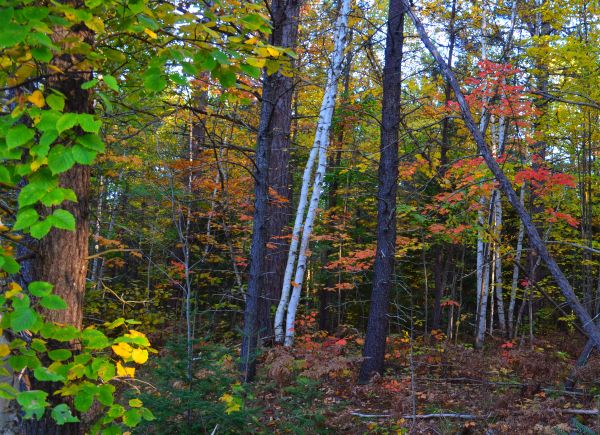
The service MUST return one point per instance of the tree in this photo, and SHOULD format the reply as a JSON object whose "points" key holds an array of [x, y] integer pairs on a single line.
{"points": [[304, 224], [280, 89], [383, 274], [534, 237]]}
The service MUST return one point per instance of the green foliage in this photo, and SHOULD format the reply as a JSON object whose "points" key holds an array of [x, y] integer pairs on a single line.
{"points": [[215, 396]]}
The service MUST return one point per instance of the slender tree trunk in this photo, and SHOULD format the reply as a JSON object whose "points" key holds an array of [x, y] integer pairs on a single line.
{"points": [[532, 232], [325, 120], [285, 15], [516, 269], [383, 274], [319, 148]]}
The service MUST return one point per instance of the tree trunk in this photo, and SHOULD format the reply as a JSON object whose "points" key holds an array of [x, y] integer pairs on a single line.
{"points": [[322, 138], [62, 255], [319, 148], [532, 232], [374, 348], [515, 276], [285, 15]]}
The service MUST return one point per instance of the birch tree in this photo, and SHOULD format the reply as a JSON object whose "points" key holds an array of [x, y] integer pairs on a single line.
{"points": [[303, 225]]}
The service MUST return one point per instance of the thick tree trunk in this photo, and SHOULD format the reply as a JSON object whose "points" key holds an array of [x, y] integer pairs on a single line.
{"points": [[62, 255], [374, 348], [505, 186], [285, 15]]}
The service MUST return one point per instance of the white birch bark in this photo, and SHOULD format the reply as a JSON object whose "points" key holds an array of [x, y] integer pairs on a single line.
{"points": [[515, 276], [320, 145]]}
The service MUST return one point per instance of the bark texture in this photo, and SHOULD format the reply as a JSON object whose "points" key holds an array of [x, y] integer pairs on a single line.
{"points": [[374, 349], [285, 15]]}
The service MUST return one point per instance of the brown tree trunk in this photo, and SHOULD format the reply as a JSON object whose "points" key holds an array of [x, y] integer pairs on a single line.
{"points": [[62, 255], [374, 349], [285, 32]]}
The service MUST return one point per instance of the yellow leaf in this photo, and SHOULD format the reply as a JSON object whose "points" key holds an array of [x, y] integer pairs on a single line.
{"points": [[135, 333], [140, 356], [227, 398], [273, 51], [150, 33], [36, 164], [125, 371], [13, 289], [4, 350], [255, 61], [123, 350]]}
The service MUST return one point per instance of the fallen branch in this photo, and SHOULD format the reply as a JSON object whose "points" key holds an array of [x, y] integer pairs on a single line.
{"points": [[423, 416]]}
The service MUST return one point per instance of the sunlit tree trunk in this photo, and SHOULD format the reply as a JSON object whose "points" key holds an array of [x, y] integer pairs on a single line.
{"points": [[303, 225]]}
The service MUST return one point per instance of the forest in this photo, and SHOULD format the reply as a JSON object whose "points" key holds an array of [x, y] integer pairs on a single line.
{"points": [[294, 216]]}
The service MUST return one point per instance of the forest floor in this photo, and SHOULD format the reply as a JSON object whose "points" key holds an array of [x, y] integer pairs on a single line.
{"points": [[507, 388]]}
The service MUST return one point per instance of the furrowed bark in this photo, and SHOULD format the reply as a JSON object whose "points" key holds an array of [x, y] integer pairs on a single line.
{"points": [[285, 15], [377, 326], [506, 188]]}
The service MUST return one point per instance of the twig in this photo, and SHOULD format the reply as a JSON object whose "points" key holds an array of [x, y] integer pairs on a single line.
{"points": [[108, 251]]}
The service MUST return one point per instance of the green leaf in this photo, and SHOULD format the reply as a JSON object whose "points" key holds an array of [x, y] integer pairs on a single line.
{"points": [[153, 80], [132, 417], [40, 288], [57, 195], [62, 414], [9, 264], [44, 374], [38, 345], [94, 339], [25, 218], [22, 319], [136, 6], [105, 394], [59, 354], [66, 122], [56, 102], [53, 302], [84, 399], [135, 403], [115, 411], [43, 54], [92, 142], [82, 155], [12, 34], [252, 71], [39, 229], [117, 322], [5, 176], [7, 391], [227, 78], [32, 193], [88, 123], [63, 219], [33, 403], [89, 84], [147, 414], [111, 82], [60, 159], [43, 145], [19, 135]]}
